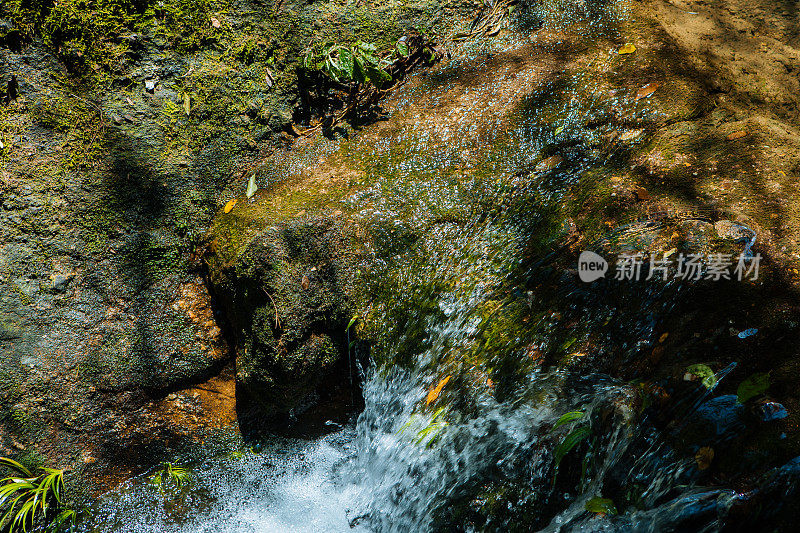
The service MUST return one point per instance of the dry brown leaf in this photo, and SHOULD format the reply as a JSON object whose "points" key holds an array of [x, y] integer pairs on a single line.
{"points": [[215, 22], [305, 283], [641, 194], [546, 165], [229, 206], [436, 391], [736, 135], [647, 91], [656, 355], [704, 456]]}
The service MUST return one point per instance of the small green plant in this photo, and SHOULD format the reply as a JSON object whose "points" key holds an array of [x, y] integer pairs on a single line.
{"points": [[170, 474], [579, 433], [432, 429], [29, 499], [357, 63]]}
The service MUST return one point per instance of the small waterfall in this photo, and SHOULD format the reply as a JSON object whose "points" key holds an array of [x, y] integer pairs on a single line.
{"points": [[493, 456]]}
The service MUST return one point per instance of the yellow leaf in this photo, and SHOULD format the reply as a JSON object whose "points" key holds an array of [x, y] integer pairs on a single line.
{"points": [[187, 104], [436, 391], [663, 337], [627, 49], [229, 205], [704, 456]]}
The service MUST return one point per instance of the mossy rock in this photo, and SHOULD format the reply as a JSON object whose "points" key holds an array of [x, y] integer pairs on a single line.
{"points": [[287, 295]]}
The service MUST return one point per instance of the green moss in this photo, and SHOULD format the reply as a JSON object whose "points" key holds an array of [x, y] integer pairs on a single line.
{"points": [[31, 459], [85, 34]]}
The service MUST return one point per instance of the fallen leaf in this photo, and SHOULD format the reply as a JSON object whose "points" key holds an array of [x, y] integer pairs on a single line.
{"points": [[130, 102], [641, 194], [268, 77], [251, 187], [704, 456], [753, 386], [229, 206], [630, 135], [627, 49], [215, 22], [187, 104], [703, 372], [663, 337], [305, 283], [647, 91], [546, 165], [656, 354], [436, 391], [736, 135], [601, 505]]}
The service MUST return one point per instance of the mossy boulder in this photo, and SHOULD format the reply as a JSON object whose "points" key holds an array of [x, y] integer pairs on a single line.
{"points": [[287, 295]]}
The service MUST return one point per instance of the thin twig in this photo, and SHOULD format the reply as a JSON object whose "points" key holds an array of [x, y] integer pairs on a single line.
{"points": [[277, 320]]}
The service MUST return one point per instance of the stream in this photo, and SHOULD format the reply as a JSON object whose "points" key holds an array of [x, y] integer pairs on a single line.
{"points": [[484, 461]]}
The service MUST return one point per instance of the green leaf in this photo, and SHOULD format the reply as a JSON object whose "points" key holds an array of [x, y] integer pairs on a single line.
{"points": [[366, 47], [251, 187], [567, 418], [703, 372], [601, 505], [402, 48], [352, 321], [569, 442], [15, 466], [377, 76], [359, 74], [346, 63], [753, 386]]}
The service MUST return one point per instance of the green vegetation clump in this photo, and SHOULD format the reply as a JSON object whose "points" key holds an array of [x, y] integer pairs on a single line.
{"points": [[358, 63], [28, 499], [169, 474], [90, 35]]}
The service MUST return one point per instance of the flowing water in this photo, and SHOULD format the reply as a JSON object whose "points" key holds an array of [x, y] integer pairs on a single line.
{"points": [[487, 460]]}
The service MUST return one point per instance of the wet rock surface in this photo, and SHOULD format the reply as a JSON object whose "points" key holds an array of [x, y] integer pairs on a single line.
{"points": [[464, 214], [287, 297], [115, 155]]}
